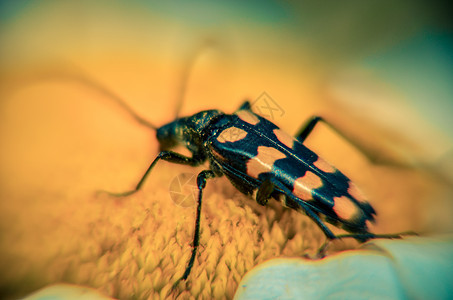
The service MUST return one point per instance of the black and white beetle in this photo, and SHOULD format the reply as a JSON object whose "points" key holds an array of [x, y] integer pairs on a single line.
{"points": [[259, 158]]}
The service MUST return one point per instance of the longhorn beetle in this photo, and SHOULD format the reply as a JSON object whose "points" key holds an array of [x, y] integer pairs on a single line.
{"points": [[262, 160], [259, 159]]}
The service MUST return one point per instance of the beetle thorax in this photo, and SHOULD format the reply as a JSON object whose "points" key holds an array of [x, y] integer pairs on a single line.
{"points": [[188, 131]]}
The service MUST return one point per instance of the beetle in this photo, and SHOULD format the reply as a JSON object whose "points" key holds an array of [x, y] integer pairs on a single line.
{"points": [[264, 162]]}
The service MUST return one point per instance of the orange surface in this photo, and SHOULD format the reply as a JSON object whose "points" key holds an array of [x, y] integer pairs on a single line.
{"points": [[63, 140]]}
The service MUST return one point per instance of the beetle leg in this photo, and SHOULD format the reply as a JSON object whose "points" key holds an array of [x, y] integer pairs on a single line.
{"points": [[305, 207], [362, 237], [368, 235], [245, 106], [370, 154], [309, 212], [264, 192], [169, 156], [308, 128], [201, 183]]}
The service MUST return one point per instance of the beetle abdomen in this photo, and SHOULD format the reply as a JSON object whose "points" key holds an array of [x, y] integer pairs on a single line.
{"points": [[253, 147]]}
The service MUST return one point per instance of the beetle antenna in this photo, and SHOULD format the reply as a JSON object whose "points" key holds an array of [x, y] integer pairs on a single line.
{"points": [[186, 72], [72, 74], [117, 99]]}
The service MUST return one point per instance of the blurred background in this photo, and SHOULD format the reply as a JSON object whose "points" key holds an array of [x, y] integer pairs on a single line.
{"points": [[380, 71]]}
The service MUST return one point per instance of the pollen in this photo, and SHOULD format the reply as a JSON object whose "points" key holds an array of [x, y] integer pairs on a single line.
{"points": [[303, 186], [231, 134], [248, 117], [344, 208], [263, 161], [283, 137]]}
